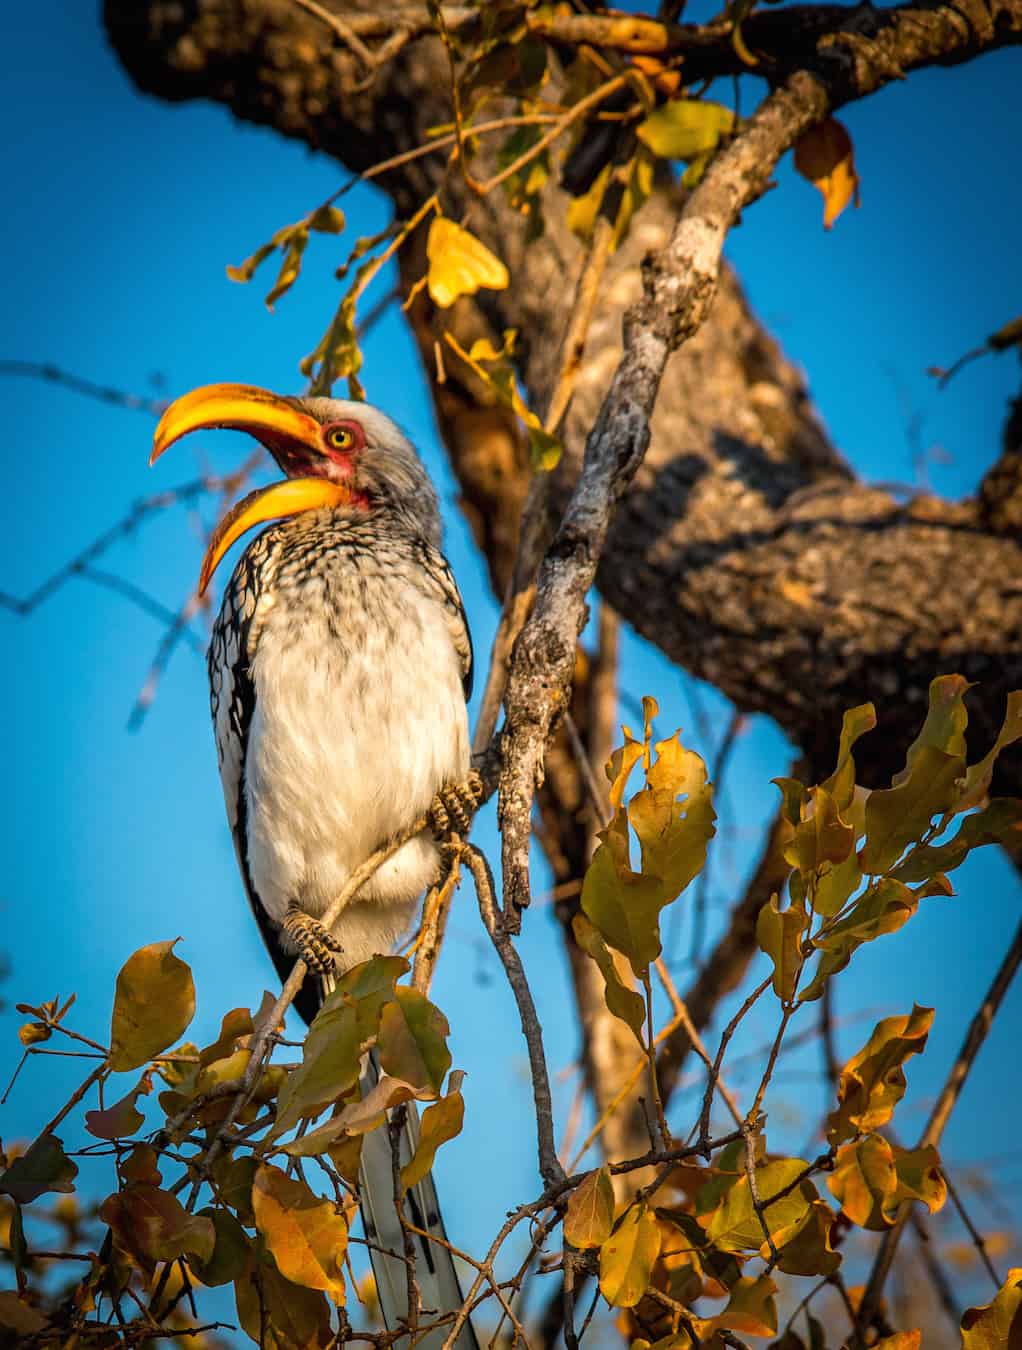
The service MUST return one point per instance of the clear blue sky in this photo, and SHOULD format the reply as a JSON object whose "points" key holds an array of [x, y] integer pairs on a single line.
{"points": [[120, 215]]}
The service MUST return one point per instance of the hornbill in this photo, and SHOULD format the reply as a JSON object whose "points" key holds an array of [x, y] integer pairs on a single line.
{"points": [[339, 669]]}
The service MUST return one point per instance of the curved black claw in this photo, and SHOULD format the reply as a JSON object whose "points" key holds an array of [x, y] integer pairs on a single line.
{"points": [[316, 945], [454, 806]]}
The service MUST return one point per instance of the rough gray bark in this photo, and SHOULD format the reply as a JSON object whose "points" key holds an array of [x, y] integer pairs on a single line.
{"points": [[745, 547]]}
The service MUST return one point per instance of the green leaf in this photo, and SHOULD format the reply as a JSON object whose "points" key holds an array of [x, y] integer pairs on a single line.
{"points": [[735, 1226], [234, 1178], [728, 1167], [685, 128], [41, 1168], [153, 1004], [368, 987], [900, 815], [413, 1040], [306, 1235], [440, 1123], [590, 1214], [627, 1257], [232, 1250], [327, 220], [779, 934], [873, 1081], [1000, 822], [621, 1001], [290, 266], [330, 1066]]}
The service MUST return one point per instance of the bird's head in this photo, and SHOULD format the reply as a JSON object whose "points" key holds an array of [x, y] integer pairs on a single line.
{"points": [[335, 452]]}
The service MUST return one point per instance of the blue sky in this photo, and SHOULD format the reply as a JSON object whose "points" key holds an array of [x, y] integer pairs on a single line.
{"points": [[121, 213]]}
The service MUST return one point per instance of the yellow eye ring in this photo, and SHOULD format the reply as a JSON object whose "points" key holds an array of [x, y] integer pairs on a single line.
{"points": [[340, 438]]}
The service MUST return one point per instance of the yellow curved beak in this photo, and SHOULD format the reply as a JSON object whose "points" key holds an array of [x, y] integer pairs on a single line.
{"points": [[270, 503], [236, 407], [271, 419]]}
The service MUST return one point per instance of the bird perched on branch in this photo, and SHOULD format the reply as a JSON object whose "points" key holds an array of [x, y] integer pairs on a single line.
{"points": [[339, 667]]}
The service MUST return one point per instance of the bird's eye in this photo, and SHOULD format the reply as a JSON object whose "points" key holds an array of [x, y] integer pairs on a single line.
{"points": [[340, 438]]}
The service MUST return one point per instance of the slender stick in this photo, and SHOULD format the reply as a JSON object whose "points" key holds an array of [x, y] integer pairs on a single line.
{"points": [[549, 1165], [944, 1105]]}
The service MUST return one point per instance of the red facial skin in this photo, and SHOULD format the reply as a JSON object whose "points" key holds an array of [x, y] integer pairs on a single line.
{"points": [[299, 460]]}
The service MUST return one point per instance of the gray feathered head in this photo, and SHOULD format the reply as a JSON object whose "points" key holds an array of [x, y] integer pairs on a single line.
{"points": [[335, 453]]}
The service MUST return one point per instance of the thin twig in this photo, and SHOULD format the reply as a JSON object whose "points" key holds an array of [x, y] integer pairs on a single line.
{"points": [[549, 1164], [944, 1105], [979, 1242], [682, 1014]]}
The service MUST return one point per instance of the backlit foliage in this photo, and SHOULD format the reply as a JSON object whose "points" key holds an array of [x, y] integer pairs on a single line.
{"points": [[250, 1181]]}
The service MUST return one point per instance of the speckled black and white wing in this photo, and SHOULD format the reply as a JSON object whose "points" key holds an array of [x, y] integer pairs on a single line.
{"points": [[232, 701], [437, 581]]}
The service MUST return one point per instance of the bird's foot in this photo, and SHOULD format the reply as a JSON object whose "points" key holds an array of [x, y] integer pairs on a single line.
{"points": [[317, 946], [454, 806]]}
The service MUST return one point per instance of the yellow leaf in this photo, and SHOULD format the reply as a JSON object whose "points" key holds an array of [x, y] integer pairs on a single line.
{"points": [[864, 1181], [622, 1001], [590, 1215], [901, 1340], [841, 784], [751, 1309], [824, 155], [459, 263], [440, 1122], [873, 1081], [820, 836], [627, 1257], [779, 934], [997, 1325], [978, 776], [153, 1004], [810, 1252], [306, 1236], [919, 1177]]}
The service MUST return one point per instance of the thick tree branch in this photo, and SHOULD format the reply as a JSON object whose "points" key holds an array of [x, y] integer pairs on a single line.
{"points": [[744, 549]]}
